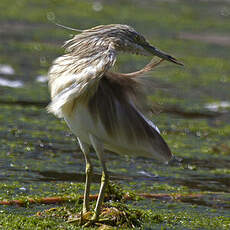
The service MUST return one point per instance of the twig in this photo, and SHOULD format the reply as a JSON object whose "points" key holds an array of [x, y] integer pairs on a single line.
{"points": [[54, 200]]}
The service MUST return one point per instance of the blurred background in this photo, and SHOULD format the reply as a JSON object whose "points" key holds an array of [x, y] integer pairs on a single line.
{"points": [[36, 148]]}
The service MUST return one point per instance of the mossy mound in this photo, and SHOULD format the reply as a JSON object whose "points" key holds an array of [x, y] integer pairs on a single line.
{"points": [[114, 214]]}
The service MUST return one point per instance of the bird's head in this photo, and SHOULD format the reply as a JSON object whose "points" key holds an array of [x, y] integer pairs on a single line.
{"points": [[122, 38]]}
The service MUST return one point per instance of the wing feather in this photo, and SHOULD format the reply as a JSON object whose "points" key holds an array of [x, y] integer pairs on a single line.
{"points": [[115, 105]]}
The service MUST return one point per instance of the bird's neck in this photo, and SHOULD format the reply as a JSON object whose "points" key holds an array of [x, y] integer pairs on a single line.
{"points": [[74, 78]]}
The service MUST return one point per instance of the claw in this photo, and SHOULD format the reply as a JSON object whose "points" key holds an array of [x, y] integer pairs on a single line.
{"points": [[89, 223], [93, 220], [81, 219]]}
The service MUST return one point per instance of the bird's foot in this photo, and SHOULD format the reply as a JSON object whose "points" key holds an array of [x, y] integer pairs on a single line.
{"points": [[81, 218], [85, 219], [92, 221]]}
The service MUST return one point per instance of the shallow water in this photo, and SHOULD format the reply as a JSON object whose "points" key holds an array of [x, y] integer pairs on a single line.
{"points": [[38, 154]]}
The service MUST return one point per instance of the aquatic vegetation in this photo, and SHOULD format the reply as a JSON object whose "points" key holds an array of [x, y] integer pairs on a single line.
{"points": [[39, 157]]}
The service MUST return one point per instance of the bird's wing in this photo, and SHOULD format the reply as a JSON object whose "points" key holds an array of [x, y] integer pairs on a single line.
{"points": [[126, 129]]}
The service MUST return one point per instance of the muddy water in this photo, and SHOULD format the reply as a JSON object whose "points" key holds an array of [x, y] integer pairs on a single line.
{"points": [[37, 150]]}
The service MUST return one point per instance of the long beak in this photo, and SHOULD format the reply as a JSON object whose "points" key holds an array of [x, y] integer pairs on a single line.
{"points": [[161, 54]]}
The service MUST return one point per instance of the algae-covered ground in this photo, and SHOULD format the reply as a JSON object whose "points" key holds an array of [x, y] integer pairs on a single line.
{"points": [[40, 158]]}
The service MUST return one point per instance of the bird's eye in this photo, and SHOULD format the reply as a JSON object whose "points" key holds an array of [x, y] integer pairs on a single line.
{"points": [[136, 38], [142, 39]]}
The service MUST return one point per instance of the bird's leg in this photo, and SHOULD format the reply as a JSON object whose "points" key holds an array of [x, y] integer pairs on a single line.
{"points": [[89, 172], [99, 148]]}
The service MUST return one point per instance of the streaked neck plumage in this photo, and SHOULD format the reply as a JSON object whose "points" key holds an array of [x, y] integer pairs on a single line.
{"points": [[76, 74]]}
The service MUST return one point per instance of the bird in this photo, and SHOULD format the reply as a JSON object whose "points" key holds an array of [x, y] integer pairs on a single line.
{"points": [[106, 110]]}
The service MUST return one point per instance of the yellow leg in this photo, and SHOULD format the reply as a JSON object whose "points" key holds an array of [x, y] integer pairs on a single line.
{"points": [[98, 146], [89, 172], [100, 199]]}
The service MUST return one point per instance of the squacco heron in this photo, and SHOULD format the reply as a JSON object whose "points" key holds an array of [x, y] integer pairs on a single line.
{"points": [[105, 110]]}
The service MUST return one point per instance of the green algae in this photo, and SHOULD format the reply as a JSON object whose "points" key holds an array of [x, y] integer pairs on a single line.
{"points": [[127, 215], [179, 220], [39, 158]]}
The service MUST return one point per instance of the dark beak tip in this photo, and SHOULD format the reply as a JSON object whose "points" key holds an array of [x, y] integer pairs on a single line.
{"points": [[180, 63], [174, 60], [162, 55]]}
